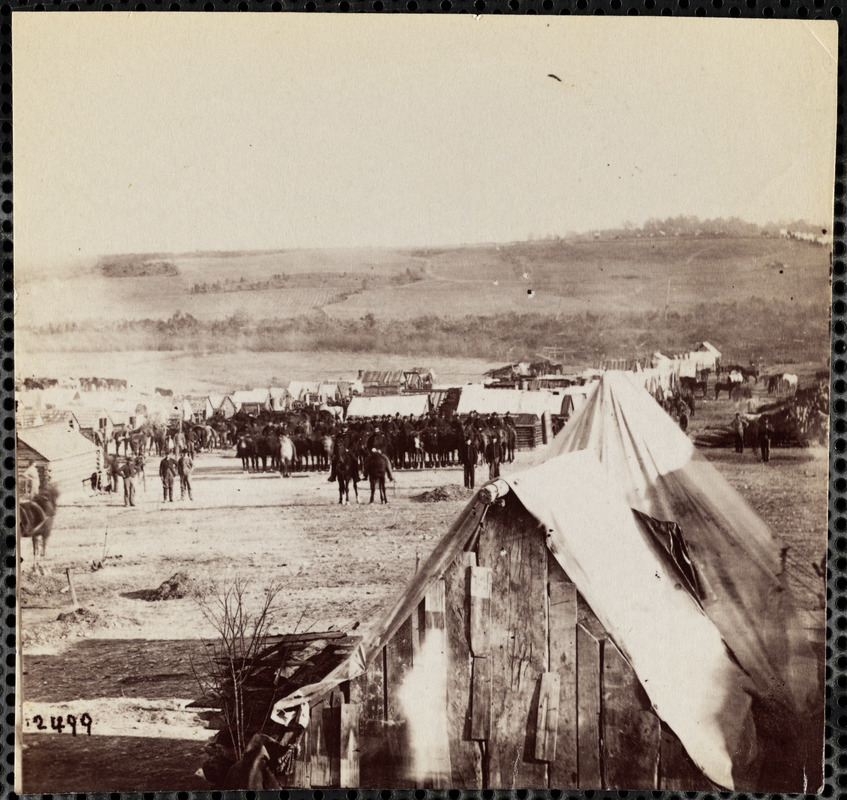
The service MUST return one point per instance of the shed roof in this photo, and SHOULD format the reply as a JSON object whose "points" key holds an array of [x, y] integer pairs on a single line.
{"points": [[90, 417], [709, 348], [54, 442], [390, 404], [382, 376], [251, 396], [475, 397]]}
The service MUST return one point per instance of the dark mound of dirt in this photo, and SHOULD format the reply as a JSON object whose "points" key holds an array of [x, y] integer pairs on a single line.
{"points": [[35, 586], [442, 494], [80, 616], [176, 587], [74, 623]]}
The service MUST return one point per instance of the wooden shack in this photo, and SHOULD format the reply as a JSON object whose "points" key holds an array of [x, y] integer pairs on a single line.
{"points": [[536, 694], [528, 431], [69, 456]]}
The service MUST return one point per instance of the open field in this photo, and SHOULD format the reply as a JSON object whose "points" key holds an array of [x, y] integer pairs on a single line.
{"points": [[130, 667], [483, 280], [757, 297]]}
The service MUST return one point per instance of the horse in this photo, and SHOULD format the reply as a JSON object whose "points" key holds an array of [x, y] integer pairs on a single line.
{"points": [[346, 469], [693, 385], [325, 451], [245, 450], [287, 455], [35, 518], [429, 436], [725, 386]]}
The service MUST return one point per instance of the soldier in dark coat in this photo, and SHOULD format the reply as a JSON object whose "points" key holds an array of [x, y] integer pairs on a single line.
{"points": [[185, 465], [765, 434], [168, 471], [470, 454], [738, 426], [128, 471]]}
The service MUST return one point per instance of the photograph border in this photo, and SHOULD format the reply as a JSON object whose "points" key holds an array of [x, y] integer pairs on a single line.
{"points": [[836, 650]]}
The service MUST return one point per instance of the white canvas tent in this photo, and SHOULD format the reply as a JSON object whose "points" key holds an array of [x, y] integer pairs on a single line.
{"points": [[388, 404], [703, 618], [475, 397]]}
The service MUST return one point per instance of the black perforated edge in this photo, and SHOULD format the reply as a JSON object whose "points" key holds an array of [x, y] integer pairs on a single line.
{"points": [[836, 650]]}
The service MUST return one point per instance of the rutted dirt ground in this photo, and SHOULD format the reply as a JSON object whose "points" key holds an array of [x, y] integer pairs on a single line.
{"points": [[128, 663]]}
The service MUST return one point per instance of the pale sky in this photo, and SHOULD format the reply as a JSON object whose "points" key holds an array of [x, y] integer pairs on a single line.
{"points": [[175, 132]]}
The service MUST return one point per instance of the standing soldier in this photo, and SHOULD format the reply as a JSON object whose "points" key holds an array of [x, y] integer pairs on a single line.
{"points": [[185, 465], [683, 416], [114, 473], [139, 469], [470, 454], [128, 472], [179, 441], [738, 426], [493, 456], [765, 432], [167, 472]]}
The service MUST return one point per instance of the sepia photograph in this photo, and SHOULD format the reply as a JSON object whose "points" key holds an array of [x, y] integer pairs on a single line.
{"points": [[421, 401]]}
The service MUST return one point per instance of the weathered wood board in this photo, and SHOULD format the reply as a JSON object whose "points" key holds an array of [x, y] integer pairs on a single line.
{"points": [[562, 620], [384, 755], [631, 731], [481, 699], [512, 548], [398, 663], [368, 690], [588, 709], [438, 768], [480, 606], [348, 776], [548, 717], [465, 754]]}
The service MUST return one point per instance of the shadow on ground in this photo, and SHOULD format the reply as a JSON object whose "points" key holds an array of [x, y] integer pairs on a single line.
{"points": [[59, 763]]}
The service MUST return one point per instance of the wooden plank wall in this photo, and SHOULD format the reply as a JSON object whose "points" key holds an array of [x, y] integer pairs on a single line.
{"points": [[516, 554], [537, 695]]}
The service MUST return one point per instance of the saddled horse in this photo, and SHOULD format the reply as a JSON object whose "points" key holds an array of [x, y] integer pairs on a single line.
{"points": [[35, 518], [346, 469]]}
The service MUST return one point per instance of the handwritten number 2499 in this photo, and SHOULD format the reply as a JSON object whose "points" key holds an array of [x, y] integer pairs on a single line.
{"points": [[58, 723]]}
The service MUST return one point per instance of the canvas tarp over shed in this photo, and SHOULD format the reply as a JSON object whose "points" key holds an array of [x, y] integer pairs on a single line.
{"points": [[388, 404], [476, 397], [727, 671]]}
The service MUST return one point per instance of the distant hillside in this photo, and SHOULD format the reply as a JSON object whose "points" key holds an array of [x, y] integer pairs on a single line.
{"points": [[560, 278]]}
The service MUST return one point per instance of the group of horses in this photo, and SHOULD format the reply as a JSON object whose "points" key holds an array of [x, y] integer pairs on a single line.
{"points": [[84, 384], [408, 444], [733, 379]]}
